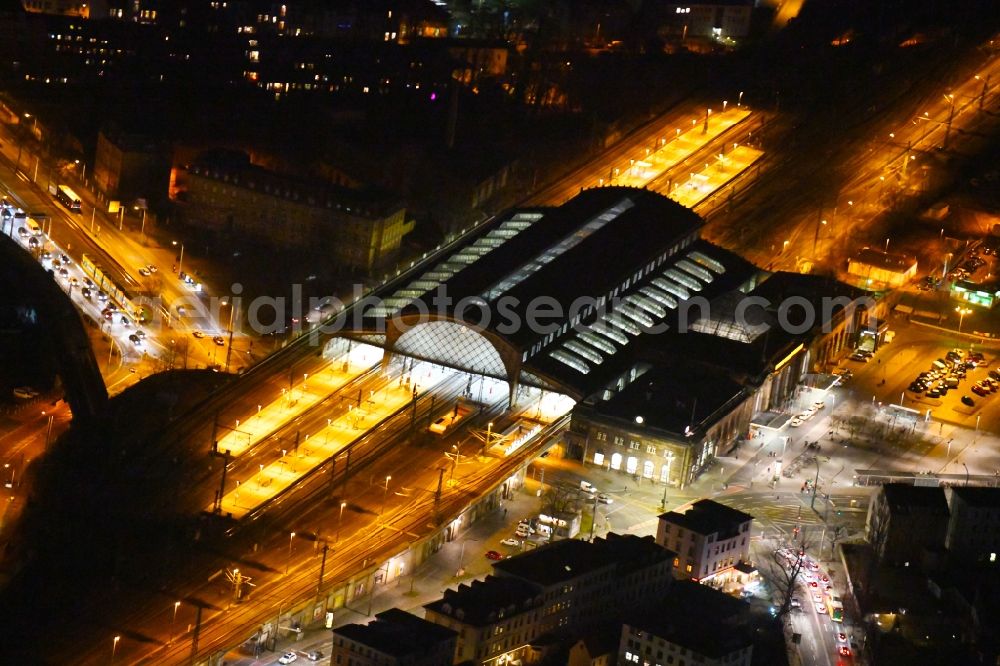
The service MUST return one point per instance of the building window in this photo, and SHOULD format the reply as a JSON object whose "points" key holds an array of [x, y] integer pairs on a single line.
{"points": [[598, 458], [616, 461], [620, 441], [651, 449], [634, 445], [602, 437], [632, 464]]}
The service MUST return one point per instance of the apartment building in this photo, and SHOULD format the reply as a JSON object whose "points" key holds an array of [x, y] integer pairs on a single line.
{"points": [[710, 540]]}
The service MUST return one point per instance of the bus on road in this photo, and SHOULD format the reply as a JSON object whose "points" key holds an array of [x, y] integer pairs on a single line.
{"points": [[835, 608], [68, 198]]}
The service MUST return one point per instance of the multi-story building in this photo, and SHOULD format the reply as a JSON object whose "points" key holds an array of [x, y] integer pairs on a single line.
{"points": [[393, 638], [131, 165], [561, 588], [710, 540], [359, 230], [715, 19], [973, 533], [693, 625], [905, 520]]}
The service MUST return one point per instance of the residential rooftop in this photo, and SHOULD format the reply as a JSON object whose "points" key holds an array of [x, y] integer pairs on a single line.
{"points": [[398, 633], [708, 517]]}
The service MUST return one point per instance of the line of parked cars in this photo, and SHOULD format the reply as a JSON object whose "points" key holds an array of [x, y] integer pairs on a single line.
{"points": [[946, 374], [802, 417]]}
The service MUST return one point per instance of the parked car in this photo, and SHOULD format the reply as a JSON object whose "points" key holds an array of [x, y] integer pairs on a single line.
{"points": [[510, 541], [315, 655], [966, 400], [135, 339], [219, 340], [604, 499], [526, 526], [493, 555], [979, 390], [287, 658], [198, 334]]}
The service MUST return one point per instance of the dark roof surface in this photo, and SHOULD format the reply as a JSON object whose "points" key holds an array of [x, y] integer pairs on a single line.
{"points": [[480, 602], [905, 498], [565, 560], [707, 517], [398, 633], [978, 496], [699, 618]]}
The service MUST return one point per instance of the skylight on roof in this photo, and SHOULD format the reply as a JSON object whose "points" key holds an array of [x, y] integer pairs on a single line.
{"points": [[565, 245], [572, 361]]}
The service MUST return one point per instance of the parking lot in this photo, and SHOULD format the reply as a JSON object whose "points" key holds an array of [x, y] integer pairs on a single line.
{"points": [[927, 369]]}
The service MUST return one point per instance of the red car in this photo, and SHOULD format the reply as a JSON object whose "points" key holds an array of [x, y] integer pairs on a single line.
{"points": [[979, 390], [493, 555], [845, 651], [813, 583]]}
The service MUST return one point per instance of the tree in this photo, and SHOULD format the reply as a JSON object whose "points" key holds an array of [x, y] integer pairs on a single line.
{"points": [[782, 571]]}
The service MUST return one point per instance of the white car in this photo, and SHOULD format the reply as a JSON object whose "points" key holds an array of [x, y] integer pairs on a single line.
{"points": [[510, 541], [604, 499], [796, 421], [287, 658], [526, 528]]}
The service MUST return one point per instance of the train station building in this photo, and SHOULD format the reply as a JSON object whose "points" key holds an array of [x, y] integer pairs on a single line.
{"points": [[668, 344]]}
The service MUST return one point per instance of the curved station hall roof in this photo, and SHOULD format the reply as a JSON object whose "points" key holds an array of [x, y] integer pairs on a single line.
{"points": [[557, 298]]}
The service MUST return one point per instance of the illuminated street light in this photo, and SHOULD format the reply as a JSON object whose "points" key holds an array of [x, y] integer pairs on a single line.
{"points": [[385, 492], [340, 519], [114, 648], [177, 605], [180, 261], [961, 315], [288, 560]]}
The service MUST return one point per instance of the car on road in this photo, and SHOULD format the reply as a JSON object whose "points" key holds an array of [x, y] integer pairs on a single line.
{"points": [[821, 609], [198, 334], [315, 655], [526, 526], [219, 340], [135, 339], [813, 583], [841, 637], [102, 296], [796, 421], [22, 232], [64, 259], [33, 242], [63, 273], [124, 321], [143, 272], [980, 391], [493, 555], [966, 400], [844, 651], [522, 533], [287, 658], [25, 393], [604, 499], [152, 268], [85, 292], [934, 393], [796, 603], [510, 541], [859, 358]]}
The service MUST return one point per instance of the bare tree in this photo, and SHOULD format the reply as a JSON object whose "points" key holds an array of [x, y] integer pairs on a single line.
{"points": [[782, 570]]}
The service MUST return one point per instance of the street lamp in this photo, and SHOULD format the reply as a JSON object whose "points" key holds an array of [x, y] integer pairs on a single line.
{"points": [[177, 605], [288, 560], [180, 262], [966, 473], [114, 648], [961, 315], [385, 492], [340, 520]]}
